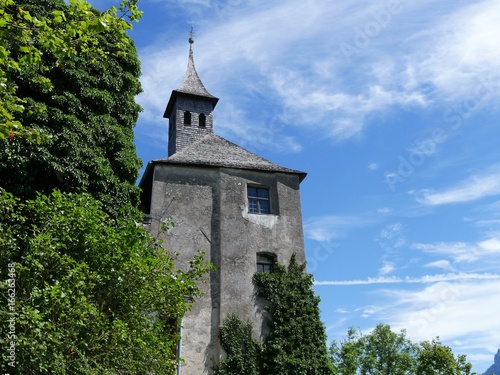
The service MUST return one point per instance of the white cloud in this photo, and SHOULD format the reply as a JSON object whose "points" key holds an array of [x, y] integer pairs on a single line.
{"points": [[384, 210], [327, 228], [341, 310], [428, 279], [443, 264], [391, 231], [484, 252], [474, 188], [293, 57], [463, 313], [386, 268], [457, 251], [463, 59], [491, 245]]}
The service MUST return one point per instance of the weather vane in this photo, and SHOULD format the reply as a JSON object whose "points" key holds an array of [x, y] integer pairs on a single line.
{"points": [[191, 36]]}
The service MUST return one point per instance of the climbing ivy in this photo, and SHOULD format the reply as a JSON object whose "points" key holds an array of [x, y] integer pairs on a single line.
{"points": [[242, 350], [296, 344]]}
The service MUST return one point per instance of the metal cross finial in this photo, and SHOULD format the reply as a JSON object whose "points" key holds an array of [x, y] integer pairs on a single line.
{"points": [[191, 36]]}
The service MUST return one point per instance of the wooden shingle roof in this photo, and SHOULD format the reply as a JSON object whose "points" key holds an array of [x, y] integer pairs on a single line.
{"points": [[213, 150]]}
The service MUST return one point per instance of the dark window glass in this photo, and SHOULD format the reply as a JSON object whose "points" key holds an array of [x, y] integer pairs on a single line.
{"points": [[187, 118], [202, 121], [258, 200], [265, 263]]}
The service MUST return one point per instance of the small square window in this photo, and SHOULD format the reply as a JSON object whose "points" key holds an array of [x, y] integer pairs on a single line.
{"points": [[265, 262], [258, 200]]}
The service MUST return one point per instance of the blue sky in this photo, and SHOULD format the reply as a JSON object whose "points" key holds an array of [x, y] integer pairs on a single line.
{"points": [[392, 108]]}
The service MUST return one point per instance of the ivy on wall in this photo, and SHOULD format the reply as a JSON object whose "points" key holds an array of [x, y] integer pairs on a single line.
{"points": [[243, 351], [296, 344]]}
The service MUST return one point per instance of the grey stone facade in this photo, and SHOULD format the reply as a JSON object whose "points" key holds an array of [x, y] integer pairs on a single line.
{"points": [[203, 185]]}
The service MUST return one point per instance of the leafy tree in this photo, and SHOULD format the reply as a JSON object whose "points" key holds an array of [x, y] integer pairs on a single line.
{"points": [[297, 343], [434, 358], [384, 352], [346, 354], [91, 295], [70, 75]]}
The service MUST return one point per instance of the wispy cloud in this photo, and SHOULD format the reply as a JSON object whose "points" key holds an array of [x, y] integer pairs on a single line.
{"points": [[474, 188], [443, 264], [446, 309], [458, 252], [294, 56], [327, 228], [386, 268], [428, 279], [463, 57]]}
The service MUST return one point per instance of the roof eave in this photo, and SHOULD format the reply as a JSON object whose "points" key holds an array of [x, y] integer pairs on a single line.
{"points": [[302, 175]]}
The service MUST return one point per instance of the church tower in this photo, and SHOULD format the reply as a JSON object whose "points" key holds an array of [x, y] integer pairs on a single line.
{"points": [[242, 210], [189, 110]]}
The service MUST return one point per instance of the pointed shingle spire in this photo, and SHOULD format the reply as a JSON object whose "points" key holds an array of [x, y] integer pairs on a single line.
{"points": [[191, 85]]}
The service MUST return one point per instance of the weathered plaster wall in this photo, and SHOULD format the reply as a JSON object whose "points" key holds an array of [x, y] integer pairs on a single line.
{"points": [[243, 235], [190, 197], [209, 208]]}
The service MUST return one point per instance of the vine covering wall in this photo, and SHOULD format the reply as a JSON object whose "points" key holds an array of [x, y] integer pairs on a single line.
{"points": [[297, 342]]}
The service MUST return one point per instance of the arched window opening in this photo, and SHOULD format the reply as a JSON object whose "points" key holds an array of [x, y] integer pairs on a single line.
{"points": [[265, 262], [187, 118], [202, 120]]}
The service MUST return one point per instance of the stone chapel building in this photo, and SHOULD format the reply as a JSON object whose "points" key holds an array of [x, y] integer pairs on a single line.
{"points": [[242, 210]]}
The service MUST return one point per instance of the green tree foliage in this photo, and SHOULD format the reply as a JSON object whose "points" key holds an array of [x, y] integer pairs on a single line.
{"points": [[387, 352], [243, 352], [347, 354], [70, 75], [435, 358], [92, 295], [297, 343], [384, 352]]}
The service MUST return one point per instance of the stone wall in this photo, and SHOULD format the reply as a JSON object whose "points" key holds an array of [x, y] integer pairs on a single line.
{"points": [[210, 209]]}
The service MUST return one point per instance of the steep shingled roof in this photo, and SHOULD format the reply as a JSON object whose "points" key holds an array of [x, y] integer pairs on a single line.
{"points": [[216, 151], [191, 84]]}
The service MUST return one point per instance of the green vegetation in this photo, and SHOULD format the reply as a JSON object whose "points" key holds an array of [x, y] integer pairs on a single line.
{"points": [[243, 353], [68, 81], [92, 295], [383, 351], [85, 289], [296, 344]]}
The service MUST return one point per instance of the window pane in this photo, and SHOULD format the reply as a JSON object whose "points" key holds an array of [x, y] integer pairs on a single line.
{"points": [[264, 267], [252, 192], [202, 120], [252, 206], [187, 118], [264, 207], [263, 193]]}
